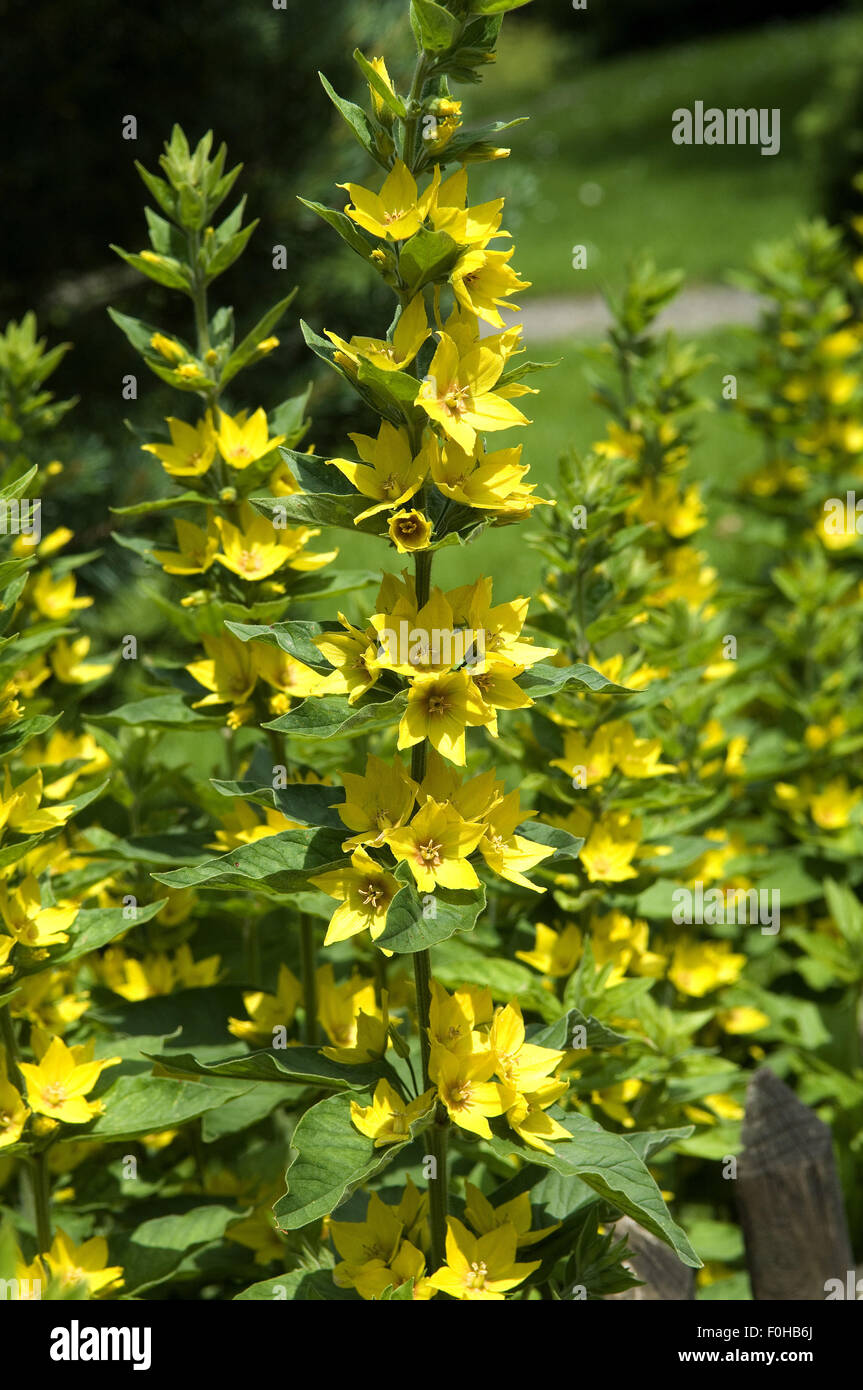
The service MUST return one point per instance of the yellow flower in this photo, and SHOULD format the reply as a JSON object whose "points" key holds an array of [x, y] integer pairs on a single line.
{"points": [[468, 226], [611, 843], [490, 482], [435, 845], [13, 1111], [243, 826], [268, 1011], [614, 1100], [256, 549], [699, 967], [21, 809], [638, 757], [365, 891], [409, 531], [466, 1088], [229, 674], [196, 549], [55, 598], [62, 747], [522, 1065], [831, 808], [594, 757], [70, 664], [284, 672], [485, 1218], [742, 1019], [377, 802], [167, 347], [389, 473], [506, 853], [660, 504], [340, 1005], [457, 392], [352, 654], [28, 921], [191, 450], [58, 1084], [371, 1034], [439, 708], [409, 335], [622, 942], [243, 441], [397, 212], [453, 1017], [528, 1118], [83, 1264], [482, 280], [480, 1268], [555, 954], [388, 1119]]}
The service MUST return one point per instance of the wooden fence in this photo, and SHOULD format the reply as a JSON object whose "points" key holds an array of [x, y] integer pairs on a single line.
{"points": [[789, 1201]]}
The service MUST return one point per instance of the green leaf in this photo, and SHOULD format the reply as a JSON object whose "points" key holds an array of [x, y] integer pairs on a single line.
{"points": [[545, 679], [295, 638], [163, 504], [137, 1105], [284, 861], [262, 329], [566, 847], [330, 716], [558, 1035], [158, 712], [292, 1064], [414, 922], [346, 228], [496, 6], [301, 1285], [331, 1160], [156, 1248], [307, 803], [166, 271], [435, 29], [611, 1168], [355, 117], [427, 256], [230, 252], [92, 928]]}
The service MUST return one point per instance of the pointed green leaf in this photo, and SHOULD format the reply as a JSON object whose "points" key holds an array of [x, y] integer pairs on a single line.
{"points": [[331, 1158]]}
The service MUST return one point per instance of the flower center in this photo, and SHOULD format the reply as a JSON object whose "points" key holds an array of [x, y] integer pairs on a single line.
{"points": [[430, 853], [477, 1276], [372, 894]]}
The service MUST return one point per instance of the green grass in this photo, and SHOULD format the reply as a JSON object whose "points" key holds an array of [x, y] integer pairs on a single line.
{"points": [[609, 125]]}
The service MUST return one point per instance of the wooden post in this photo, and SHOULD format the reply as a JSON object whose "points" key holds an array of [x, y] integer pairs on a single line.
{"points": [[665, 1277], [789, 1196]]}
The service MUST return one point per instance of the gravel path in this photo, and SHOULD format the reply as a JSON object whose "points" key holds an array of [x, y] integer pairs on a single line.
{"points": [[697, 308]]}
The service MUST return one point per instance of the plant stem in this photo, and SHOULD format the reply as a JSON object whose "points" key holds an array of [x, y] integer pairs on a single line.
{"points": [[42, 1201], [10, 1047], [310, 986], [422, 975]]}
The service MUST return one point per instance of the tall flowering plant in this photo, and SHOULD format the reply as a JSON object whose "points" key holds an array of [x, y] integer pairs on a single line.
{"points": [[445, 1094]]}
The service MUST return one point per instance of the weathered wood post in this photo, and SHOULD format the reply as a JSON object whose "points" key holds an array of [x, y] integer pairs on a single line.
{"points": [[664, 1275], [789, 1196]]}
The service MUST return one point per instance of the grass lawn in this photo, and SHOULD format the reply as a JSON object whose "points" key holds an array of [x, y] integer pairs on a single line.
{"points": [[596, 164]]}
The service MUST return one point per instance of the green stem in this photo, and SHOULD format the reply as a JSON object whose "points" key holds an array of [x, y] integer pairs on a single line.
{"points": [[310, 984], [438, 1133], [414, 98], [42, 1201], [10, 1047]]}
